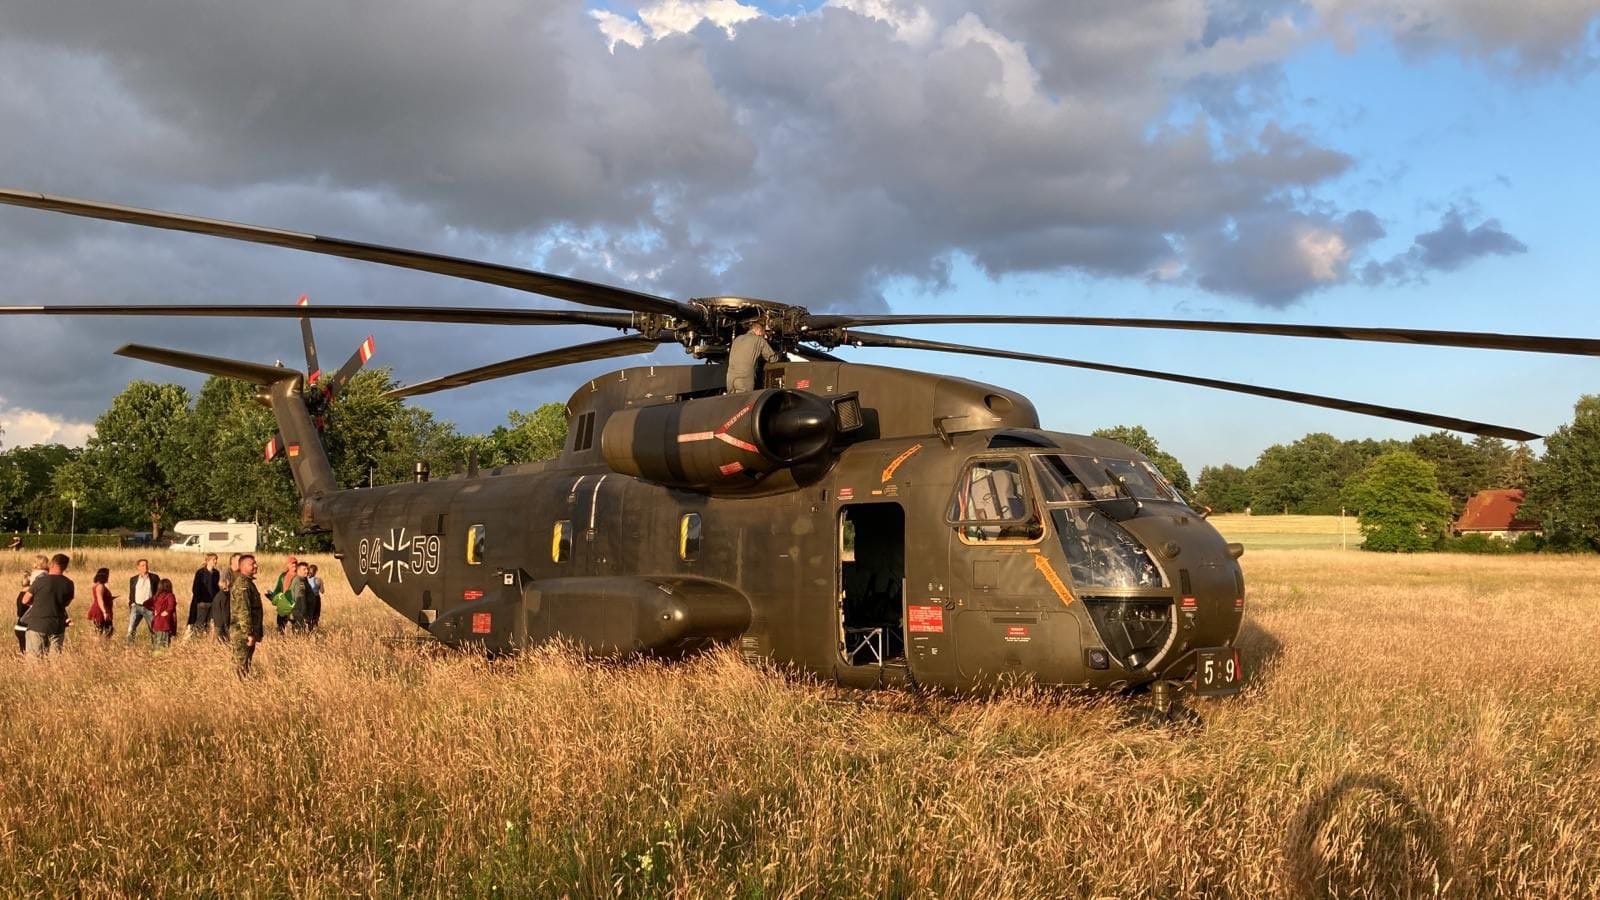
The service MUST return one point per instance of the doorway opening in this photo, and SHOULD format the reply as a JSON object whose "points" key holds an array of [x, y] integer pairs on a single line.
{"points": [[872, 576]]}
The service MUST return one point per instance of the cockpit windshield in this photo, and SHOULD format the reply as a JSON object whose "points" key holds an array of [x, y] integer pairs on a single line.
{"points": [[1087, 479], [1101, 553]]}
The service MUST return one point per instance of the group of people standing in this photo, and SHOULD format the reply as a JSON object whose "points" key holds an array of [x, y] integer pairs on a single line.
{"points": [[225, 602]]}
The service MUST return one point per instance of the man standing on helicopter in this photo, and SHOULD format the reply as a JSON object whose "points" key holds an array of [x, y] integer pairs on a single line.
{"points": [[742, 356]]}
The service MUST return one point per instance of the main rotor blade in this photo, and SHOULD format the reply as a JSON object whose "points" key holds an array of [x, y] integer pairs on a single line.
{"points": [[549, 359], [867, 339], [466, 315], [1481, 340], [557, 286]]}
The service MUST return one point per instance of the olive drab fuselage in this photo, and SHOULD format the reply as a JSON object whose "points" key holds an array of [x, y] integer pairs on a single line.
{"points": [[891, 557]]}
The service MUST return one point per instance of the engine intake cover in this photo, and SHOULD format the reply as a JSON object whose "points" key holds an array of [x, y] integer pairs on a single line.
{"points": [[719, 443]]}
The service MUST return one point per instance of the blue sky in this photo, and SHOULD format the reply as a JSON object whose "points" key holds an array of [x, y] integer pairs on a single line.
{"points": [[1161, 158], [1428, 134]]}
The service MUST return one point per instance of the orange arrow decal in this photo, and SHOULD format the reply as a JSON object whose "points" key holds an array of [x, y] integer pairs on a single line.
{"points": [[888, 472]]}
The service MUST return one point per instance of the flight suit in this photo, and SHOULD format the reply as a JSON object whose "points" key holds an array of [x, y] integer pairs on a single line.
{"points": [[742, 356], [244, 602]]}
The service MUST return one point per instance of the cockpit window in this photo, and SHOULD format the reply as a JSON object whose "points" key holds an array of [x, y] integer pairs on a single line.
{"points": [[1057, 483], [1077, 479], [991, 503]]}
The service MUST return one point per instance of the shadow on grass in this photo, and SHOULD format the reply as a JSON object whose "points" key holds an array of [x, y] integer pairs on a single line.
{"points": [[1260, 646], [1365, 835]]}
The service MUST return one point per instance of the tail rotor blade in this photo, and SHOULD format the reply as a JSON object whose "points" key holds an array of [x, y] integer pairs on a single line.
{"points": [[313, 371], [352, 366]]}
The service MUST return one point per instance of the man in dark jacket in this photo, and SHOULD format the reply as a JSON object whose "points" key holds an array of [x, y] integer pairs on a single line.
{"points": [[141, 597], [47, 601], [201, 595], [245, 600]]}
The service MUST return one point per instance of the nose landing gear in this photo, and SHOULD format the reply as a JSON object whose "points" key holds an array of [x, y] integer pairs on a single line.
{"points": [[1163, 707]]}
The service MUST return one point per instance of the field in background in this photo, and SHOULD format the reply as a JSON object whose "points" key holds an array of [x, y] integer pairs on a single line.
{"points": [[1289, 532], [1416, 725]]}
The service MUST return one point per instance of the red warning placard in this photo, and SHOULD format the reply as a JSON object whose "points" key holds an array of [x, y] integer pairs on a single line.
{"points": [[926, 619]]}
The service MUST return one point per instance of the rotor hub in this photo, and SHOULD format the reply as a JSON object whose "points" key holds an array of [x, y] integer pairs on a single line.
{"points": [[725, 318]]}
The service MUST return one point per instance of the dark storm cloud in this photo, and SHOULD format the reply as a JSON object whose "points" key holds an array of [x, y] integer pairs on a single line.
{"points": [[1446, 248], [805, 159]]}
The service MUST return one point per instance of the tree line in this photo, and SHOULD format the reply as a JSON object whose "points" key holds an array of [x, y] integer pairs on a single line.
{"points": [[159, 455], [1428, 479]]}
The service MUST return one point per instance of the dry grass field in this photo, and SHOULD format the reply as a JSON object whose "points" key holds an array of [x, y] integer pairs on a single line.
{"points": [[1417, 725], [1290, 532]]}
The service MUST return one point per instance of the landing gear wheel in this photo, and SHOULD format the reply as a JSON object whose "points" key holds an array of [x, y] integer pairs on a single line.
{"points": [[1163, 707]]}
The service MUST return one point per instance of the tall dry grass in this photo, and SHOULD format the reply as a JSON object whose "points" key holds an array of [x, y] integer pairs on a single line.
{"points": [[1417, 725]]}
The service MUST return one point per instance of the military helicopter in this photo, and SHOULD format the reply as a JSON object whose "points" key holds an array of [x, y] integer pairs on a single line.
{"points": [[874, 526]]}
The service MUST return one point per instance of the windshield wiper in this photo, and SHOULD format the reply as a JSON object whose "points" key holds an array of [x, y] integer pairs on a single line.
{"points": [[1122, 487]]}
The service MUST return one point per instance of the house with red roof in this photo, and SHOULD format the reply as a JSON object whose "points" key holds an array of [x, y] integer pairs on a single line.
{"points": [[1494, 514]]}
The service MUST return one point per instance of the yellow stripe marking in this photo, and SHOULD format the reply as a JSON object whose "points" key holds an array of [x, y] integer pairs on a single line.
{"points": [[1042, 563]]}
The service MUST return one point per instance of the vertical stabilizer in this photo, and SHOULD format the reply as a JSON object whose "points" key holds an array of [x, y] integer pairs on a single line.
{"points": [[284, 393]]}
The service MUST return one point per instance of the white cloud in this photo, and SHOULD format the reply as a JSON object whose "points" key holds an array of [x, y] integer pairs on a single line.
{"points": [[669, 17], [911, 23], [1324, 253], [23, 427], [618, 29], [1019, 81]]}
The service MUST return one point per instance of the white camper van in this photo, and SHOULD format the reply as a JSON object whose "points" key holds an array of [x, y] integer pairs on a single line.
{"points": [[201, 536]]}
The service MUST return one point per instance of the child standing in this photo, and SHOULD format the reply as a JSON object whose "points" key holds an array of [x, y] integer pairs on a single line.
{"points": [[164, 610], [19, 628], [314, 613]]}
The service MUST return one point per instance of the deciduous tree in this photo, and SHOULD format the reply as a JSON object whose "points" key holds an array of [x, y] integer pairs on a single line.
{"points": [[138, 450], [1564, 494], [1402, 508], [1307, 476], [229, 476], [1224, 489], [526, 436], [1138, 438], [1463, 469]]}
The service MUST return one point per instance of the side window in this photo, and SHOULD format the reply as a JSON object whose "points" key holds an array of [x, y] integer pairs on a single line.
{"points": [[476, 537], [561, 541], [689, 537], [991, 503], [583, 433]]}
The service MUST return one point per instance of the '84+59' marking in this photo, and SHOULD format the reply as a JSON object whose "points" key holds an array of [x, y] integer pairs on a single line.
{"points": [[399, 555]]}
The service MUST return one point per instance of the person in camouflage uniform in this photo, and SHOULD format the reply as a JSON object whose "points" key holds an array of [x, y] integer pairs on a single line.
{"points": [[244, 602]]}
